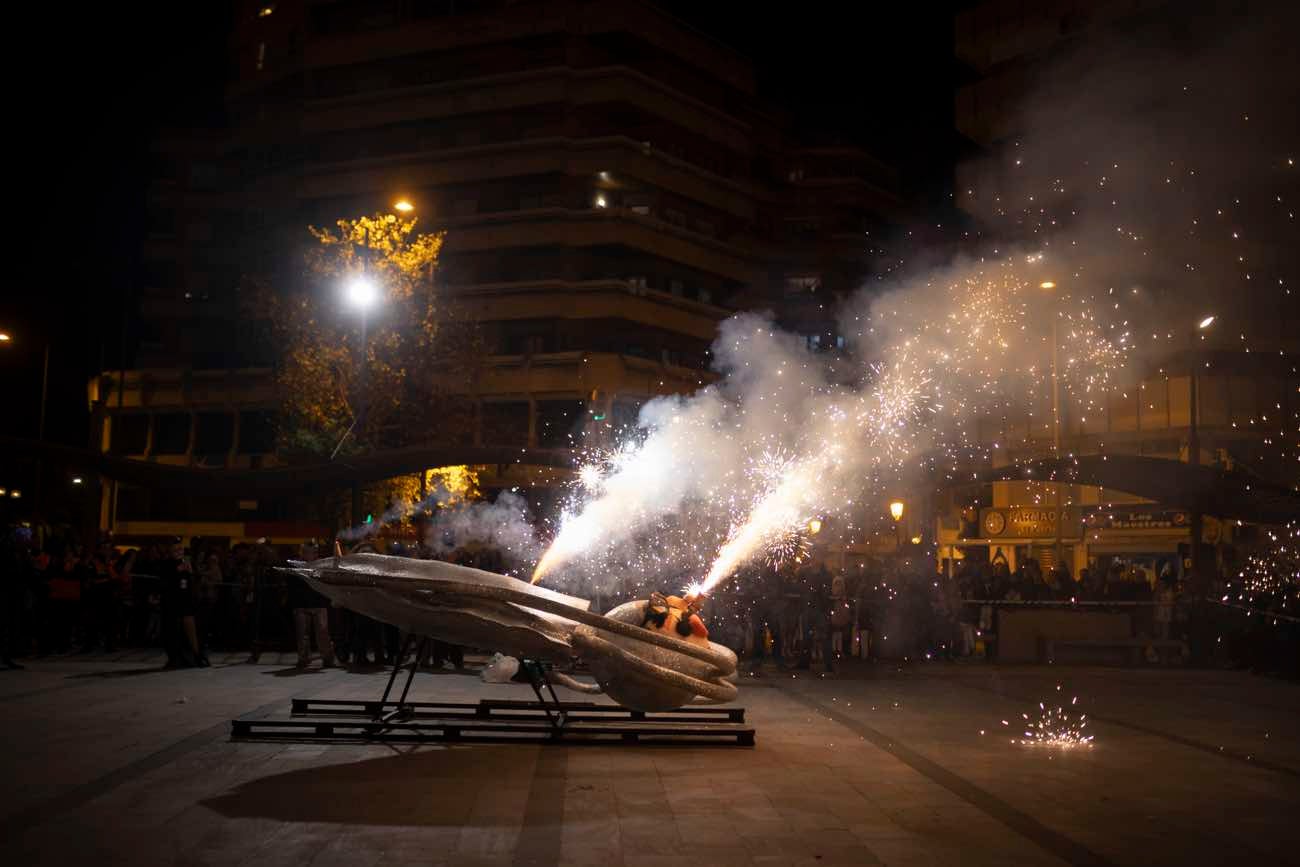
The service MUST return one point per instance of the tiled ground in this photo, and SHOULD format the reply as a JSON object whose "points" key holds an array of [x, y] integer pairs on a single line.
{"points": [[108, 761]]}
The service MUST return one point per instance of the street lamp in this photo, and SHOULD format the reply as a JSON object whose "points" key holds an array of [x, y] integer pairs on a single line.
{"points": [[362, 294], [896, 512], [1194, 440], [403, 206], [40, 424], [1057, 547]]}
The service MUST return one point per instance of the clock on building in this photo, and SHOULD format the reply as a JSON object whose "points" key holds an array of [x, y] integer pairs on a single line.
{"points": [[994, 523]]}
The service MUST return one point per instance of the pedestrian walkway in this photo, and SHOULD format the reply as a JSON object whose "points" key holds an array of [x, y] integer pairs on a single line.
{"points": [[111, 760]]}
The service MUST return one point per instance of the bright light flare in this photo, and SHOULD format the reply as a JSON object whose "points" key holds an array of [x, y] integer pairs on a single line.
{"points": [[361, 292], [1205, 323], [403, 206]]}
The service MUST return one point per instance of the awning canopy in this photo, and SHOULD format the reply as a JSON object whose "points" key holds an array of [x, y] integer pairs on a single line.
{"points": [[1236, 495], [284, 479]]}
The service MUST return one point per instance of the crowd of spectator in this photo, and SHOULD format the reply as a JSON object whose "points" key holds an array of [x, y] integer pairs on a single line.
{"points": [[63, 597]]}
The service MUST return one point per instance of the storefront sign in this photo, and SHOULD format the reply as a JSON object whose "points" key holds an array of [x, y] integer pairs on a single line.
{"points": [[1145, 519], [1030, 522]]}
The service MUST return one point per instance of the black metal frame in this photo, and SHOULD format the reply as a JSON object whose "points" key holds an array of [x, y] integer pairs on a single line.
{"points": [[547, 718]]}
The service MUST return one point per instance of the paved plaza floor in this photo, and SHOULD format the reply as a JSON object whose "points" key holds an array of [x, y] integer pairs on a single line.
{"points": [[108, 760]]}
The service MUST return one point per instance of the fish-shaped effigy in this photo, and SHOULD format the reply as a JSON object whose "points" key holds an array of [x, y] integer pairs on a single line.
{"points": [[634, 662]]}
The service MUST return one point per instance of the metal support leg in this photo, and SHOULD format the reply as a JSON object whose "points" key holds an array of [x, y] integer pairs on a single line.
{"points": [[537, 679], [415, 664], [397, 666]]}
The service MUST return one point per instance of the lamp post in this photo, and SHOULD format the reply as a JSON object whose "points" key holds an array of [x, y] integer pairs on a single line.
{"points": [[5, 339], [1194, 444], [1057, 548], [361, 293]]}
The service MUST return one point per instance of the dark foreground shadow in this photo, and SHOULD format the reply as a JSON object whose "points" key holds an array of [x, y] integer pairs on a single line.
{"points": [[434, 787], [291, 672]]}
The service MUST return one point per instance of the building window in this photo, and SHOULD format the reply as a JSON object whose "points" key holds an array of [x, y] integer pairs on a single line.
{"points": [[558, 421], [256, 432], [130, 434], [814, 341], [216, 434], [802, 284], [171, 433]]}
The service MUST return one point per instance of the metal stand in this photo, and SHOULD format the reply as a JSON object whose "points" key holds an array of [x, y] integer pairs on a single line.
{"points": [[400, 711], [537, 679], [547, 719]]}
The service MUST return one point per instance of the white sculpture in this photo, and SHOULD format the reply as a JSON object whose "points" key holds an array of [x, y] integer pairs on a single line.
{"points": [[640, 668]]}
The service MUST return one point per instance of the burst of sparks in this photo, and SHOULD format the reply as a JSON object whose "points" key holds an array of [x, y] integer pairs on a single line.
{"points": [[1055, 726]]}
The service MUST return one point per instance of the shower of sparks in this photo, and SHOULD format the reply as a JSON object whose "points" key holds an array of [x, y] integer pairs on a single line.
{"points": [[850, 437], [1269, 578], [1056, 726]]}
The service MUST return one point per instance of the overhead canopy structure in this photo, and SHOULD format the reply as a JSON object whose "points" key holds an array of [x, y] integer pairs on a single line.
{"points": [[1236, 495], [283, 479]]}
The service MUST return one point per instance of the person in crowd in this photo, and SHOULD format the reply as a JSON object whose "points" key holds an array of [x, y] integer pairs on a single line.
{"points": [[65, 601], [1164, 609], [100, 596], [841, 615], [967, 613], [180, 631], [766, 608], [124, 593], [208, 590], [310, 614], [15, 562]]}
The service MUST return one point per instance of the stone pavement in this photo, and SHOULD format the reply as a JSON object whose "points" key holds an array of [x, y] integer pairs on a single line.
{"points": [[108, 760]]}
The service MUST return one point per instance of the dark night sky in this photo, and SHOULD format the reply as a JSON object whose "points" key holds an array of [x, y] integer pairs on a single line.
{"points": [[106, 79]]}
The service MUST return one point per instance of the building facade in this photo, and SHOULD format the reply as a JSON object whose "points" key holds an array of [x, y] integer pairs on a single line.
{"points": [[610, 184], [1224, 395]]}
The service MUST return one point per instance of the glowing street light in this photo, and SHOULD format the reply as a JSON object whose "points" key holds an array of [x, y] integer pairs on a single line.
{"points": [[15, 494], [1205, 323], [4, 338], [76, 480], [814, 526], [403, 206], [1047, 284], [361, 293], [896, 510]]}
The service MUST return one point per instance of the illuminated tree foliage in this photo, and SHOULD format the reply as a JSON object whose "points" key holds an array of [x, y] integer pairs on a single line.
{"points": [[418, 360], [417, 355]]}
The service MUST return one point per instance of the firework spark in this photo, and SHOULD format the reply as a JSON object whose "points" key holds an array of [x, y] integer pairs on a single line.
{"points": [[1054, 727]]}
